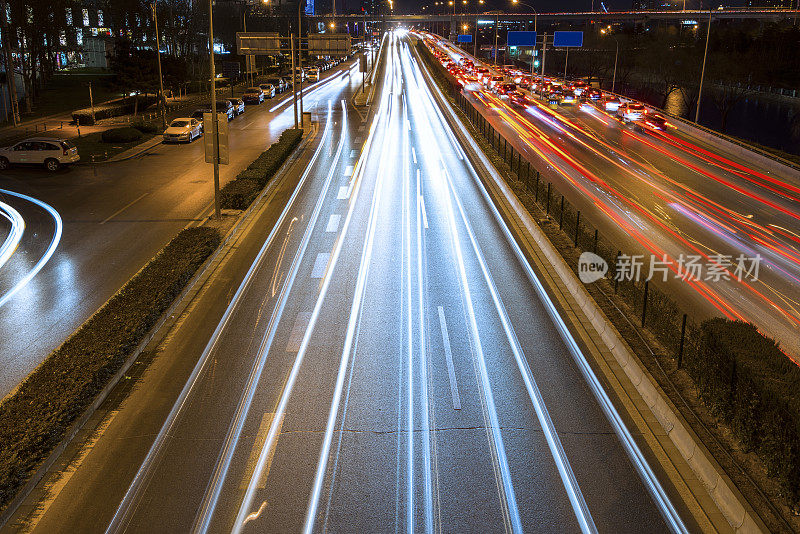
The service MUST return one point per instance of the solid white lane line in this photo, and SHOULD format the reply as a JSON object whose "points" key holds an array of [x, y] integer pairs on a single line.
{"points": [[247, 500], [320, 264], [348, 170], [344, 192], [123, 208], [414, 154], [448, 355], [422, 206], [333, 223]]}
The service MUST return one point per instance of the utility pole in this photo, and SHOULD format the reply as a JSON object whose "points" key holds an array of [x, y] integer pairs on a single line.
{"points": [[614, 77], [544, 57], [160, 77], [12, 86], [91, 101], [294, 86], [566, 59], [214, 119], [496, 22], [300, 5], [703, 71]]}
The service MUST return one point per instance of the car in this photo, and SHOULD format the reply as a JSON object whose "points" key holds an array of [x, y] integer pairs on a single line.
{"points": [[520, 98], [199, 112], [631, 112], [494, 80], [278, 83], [654, 121], [568, 99], [223, 106], [50, 152], [592, 94], [503, 89], [611, 103], [579, 86], [268, 88], [238, 105], [313, 74], [185, 129], [253, 95]]}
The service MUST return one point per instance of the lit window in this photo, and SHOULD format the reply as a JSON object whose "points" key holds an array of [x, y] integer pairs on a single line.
{"points": [[79, 36], [29, 13], [94, 32], [62, 38], [69, 17], [100, 17], [85, 13]]}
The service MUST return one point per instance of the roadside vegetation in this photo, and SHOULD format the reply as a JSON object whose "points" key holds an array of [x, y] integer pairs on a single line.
{"points": [[37, 416], [238, 194]]}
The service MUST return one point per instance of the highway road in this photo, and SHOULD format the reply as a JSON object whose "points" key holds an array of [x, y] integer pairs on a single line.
{"points": [[116, 216], [389, 363], [670, 193]]}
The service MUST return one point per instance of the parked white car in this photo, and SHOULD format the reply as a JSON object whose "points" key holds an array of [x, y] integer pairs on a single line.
{"points": [[51, 152], [184, 129]]}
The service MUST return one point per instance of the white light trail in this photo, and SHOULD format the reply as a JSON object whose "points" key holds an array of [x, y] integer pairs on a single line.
{"points": [[51, 248], [15, 233]]}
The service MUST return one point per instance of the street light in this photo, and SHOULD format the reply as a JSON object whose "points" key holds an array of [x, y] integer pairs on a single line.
{"points": [[606, 31]]}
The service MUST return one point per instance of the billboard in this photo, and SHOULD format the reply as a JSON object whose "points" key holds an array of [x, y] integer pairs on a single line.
{"points": [[522, 39], [464, 38], [567, 39], [329, 44], [258, 43]]}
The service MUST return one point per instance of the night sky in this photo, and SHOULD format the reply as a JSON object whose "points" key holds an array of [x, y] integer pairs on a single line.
{"points": [[409, 6]]}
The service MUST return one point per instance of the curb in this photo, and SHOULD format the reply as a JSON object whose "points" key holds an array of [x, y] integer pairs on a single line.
{"points": [[720, 488]]}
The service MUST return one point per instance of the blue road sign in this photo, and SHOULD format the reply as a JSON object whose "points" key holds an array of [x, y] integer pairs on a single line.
{"points": [[464, 38], [522, 39], [567, 39]]}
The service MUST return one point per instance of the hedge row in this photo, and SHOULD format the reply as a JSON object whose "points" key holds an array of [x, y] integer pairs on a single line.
{"points": [[125, 134], [753, 387], [35, 419], [115, 108], [239, 193], [740, 374]]}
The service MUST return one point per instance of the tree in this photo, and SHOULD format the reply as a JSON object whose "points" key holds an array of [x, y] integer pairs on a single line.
{"points": [[135, 71]]}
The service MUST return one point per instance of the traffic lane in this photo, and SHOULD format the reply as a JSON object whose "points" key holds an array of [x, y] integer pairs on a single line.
{"points": [[279, 497], [590, 442], [702, 228], [113, 224], [649, 222], [99, 483], [189, 456]]}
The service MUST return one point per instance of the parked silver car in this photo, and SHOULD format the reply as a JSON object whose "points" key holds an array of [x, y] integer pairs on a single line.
{"points": [[50, 152]]}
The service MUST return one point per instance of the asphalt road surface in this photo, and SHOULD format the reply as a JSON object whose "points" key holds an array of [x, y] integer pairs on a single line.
{"points": [[388, 364], [668, 192], [116, 216]]}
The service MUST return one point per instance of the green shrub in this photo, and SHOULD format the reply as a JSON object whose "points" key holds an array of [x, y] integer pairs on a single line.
{"points": [[126, 134], [115, 108], [34, 420], [238, 194], [259, 172], [148, 127], [755, 388]]}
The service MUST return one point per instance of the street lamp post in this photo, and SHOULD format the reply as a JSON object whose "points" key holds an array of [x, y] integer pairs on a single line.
{"points": [[214, 119], [300, 5], [703, 71], [161, 103], [616, 56]]}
